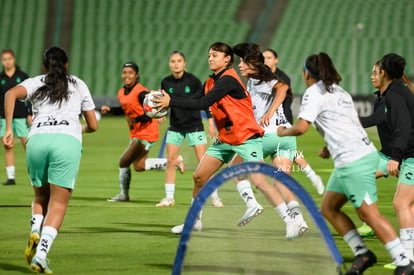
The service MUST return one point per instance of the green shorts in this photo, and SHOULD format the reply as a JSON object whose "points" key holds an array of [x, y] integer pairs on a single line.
{"points": [[19, 125], [273, 146], [193, 138], [383, 162], [53, 158], [356, 180], [250, 150], [148, 145], [407, 171]]}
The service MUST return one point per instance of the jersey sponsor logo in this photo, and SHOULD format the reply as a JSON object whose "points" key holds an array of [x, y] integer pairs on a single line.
{"points": [[18, 80], [187, 89], [3, 82], [52, 121], [170, 90]]}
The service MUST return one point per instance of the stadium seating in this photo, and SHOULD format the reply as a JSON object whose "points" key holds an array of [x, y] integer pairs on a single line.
{"points": [[102, 38], [22, 30], [326, 25]]}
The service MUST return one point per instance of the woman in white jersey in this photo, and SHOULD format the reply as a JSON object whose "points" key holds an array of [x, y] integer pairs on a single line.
{"points": [[267, 95], [54, 146], [332, 111]]}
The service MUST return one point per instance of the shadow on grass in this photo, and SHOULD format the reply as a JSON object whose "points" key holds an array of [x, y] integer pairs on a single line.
{"points": [[103, 199], [140, 229], [11, 267], [231, 270]]}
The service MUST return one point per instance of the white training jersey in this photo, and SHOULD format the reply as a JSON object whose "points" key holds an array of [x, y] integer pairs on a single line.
{"points": [[53, 118], [336, 119], [262, 98]]}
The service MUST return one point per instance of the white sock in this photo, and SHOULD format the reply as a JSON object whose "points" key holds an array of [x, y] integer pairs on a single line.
{"points": [[36, 222], [46, 240], [355, 242], [397, 252], [283, 212], [10, 172], [169, 190], [215, 195], [407, 241], [308, 171], [294, 207], [246, 192], [124, 180], [201, 211], [155, 163]]}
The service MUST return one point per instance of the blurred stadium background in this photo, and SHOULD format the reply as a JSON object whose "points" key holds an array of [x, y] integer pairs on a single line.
{"points": [[100, 35]]}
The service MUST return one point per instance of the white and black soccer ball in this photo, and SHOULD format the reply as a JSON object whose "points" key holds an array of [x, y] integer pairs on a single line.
{"points": [[149, 108]]}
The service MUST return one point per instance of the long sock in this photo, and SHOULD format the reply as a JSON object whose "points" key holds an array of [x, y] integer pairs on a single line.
{"points": [[36, 222], [407, 241], [355, 242], [294, 207], [283, 212], [200, 214], [155, 163], [10, 171], [246, 192], [169, 190], [215, 195], [46, 240], [309, 172], [124, 180], [397, 252]]}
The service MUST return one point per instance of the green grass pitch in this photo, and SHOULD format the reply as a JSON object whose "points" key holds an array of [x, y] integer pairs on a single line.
{"points": [[98, 237]]}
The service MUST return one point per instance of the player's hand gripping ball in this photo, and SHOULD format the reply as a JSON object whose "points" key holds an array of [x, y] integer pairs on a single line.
{"points": [[149, 108]]}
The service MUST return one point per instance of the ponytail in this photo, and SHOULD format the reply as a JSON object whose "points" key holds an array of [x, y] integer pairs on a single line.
{"points": [[56, 80], [320, 67]]}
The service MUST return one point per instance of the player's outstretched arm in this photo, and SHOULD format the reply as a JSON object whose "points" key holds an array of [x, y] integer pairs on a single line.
{"points": [[300, 127]]}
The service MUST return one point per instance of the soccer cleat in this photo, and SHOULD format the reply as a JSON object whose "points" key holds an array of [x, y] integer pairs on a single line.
{"points": [[250, 214], [165, 202], [30, 250], [361, 263], [180, 164], [391, 266], [217, 202], [405, 270], [318, 184], [198, 225], [296, 227], [119, 198], [365, 230], [10, 182], [40, 266]]}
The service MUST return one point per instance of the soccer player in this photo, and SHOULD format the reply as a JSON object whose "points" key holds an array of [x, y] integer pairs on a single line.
{"points": [[184, 123], [267, 95], [396, 134], [272, 60], [238, 131], [143, 130], [332, 111], [54, 147], [22, 116]]}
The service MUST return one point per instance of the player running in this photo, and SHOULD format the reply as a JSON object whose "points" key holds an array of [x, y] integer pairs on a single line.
{"points": [[54, 147], [238, 131], [184, 123], [272, 60], [267, 94], [143, 130], [331, 109]]}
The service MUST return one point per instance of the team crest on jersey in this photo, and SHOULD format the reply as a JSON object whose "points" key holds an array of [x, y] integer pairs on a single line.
{"points": [[187, 89], [3, 82], [18, 80], [171, 90]]}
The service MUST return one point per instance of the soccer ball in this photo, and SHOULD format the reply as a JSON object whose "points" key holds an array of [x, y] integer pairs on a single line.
{"points": [[149, 108]]}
